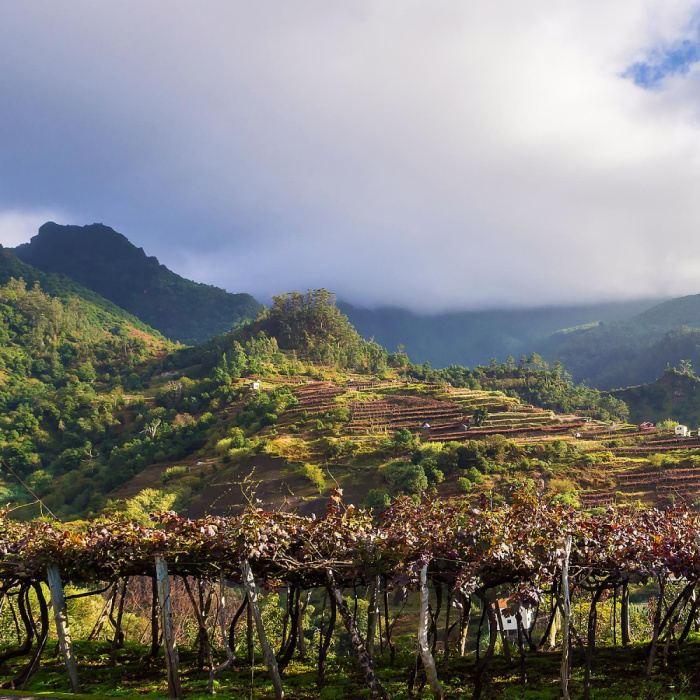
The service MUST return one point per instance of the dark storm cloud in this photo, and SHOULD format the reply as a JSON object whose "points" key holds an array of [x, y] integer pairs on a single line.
{"points": [[433, 154]]}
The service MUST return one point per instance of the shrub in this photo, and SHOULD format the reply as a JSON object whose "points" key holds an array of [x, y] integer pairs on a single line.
{"points": [[562, 485], [407, 477], [403, 440], [237, 439], [378, 499], [475, 476], [314, 474], [435, 476], [481, 415], [341, 415], [268, 419], [173, 473], [668, 424], [464, 485], [224, 445], [331, 448]]}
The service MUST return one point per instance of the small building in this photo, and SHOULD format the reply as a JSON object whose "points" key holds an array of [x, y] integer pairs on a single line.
{"points": [[646, 426], [463, 427], [681, 430], [510, 622], [425, 426], [254, 385]]}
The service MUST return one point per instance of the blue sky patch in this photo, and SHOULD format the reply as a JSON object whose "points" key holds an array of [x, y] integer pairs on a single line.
{"points": [[662, 63]]}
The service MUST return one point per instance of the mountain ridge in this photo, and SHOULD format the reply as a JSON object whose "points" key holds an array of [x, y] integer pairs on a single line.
{"points": [[471, 338], [101, 259]]}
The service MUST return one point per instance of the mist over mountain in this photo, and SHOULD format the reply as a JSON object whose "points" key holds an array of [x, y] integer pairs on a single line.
{"points": [[608, 346], [633, 351], [473, 337], [106, 262]]}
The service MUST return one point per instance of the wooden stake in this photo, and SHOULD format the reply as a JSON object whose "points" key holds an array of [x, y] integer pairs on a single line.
{"points": [[214, 672], [376, 691], [172, 659], [567, 620], [60, 616], [268, 655], [423, 646], [372, 615]]}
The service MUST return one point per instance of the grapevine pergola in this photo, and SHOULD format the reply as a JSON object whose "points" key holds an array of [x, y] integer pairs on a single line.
{"points": [[525, 551]]}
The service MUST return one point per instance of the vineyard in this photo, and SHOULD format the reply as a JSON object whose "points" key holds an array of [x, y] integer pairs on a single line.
{"points": [[317, 397], [541, 557], [396, 412]]}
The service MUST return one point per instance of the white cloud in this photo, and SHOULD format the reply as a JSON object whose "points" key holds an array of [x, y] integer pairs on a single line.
{"points": [[19, 226], [437, 154]]}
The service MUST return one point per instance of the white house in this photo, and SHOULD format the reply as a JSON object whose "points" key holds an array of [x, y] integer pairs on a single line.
{"points": [[255, 385], [510, 622], [681, 430]]}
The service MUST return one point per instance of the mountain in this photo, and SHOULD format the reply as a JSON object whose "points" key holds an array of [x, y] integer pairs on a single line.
{"points": [[682, 311], [673, 395], [94, 307], [631, 352], [108, 263], [473, 337]]}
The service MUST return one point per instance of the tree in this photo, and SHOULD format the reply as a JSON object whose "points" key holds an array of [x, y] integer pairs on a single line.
{"points": [[685, 367], [481, 415]]}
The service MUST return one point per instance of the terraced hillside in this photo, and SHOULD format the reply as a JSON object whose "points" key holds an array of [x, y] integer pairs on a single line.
{"points": [[240, 419], [376, 438]]}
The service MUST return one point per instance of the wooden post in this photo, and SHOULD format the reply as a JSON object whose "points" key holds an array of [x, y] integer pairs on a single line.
{"points": [[60, 616], [464, 615], [553, 628], [567, 620], [372, 615], [502, 631], [268, 655], [446, 637], [172, 659], [300, 626], [376, 691], [214, 672], [423, 647], [625, 614]]}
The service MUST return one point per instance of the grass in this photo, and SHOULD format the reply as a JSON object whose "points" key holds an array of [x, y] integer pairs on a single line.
{"points": [[617, 674]]}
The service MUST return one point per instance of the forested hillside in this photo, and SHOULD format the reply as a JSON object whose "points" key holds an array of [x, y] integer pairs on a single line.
{"points": [[674, 395], [67, 367], [625, 354], [98, 309], [91, 402], [106, 262], [607, 346], [472, 338]]}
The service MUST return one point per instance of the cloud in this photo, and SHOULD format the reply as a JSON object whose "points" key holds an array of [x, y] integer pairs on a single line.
{"points": [[432, 154], [19, 226]]}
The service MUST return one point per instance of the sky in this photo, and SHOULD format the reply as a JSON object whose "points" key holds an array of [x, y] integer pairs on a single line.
{"points": [[436, 155]]}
